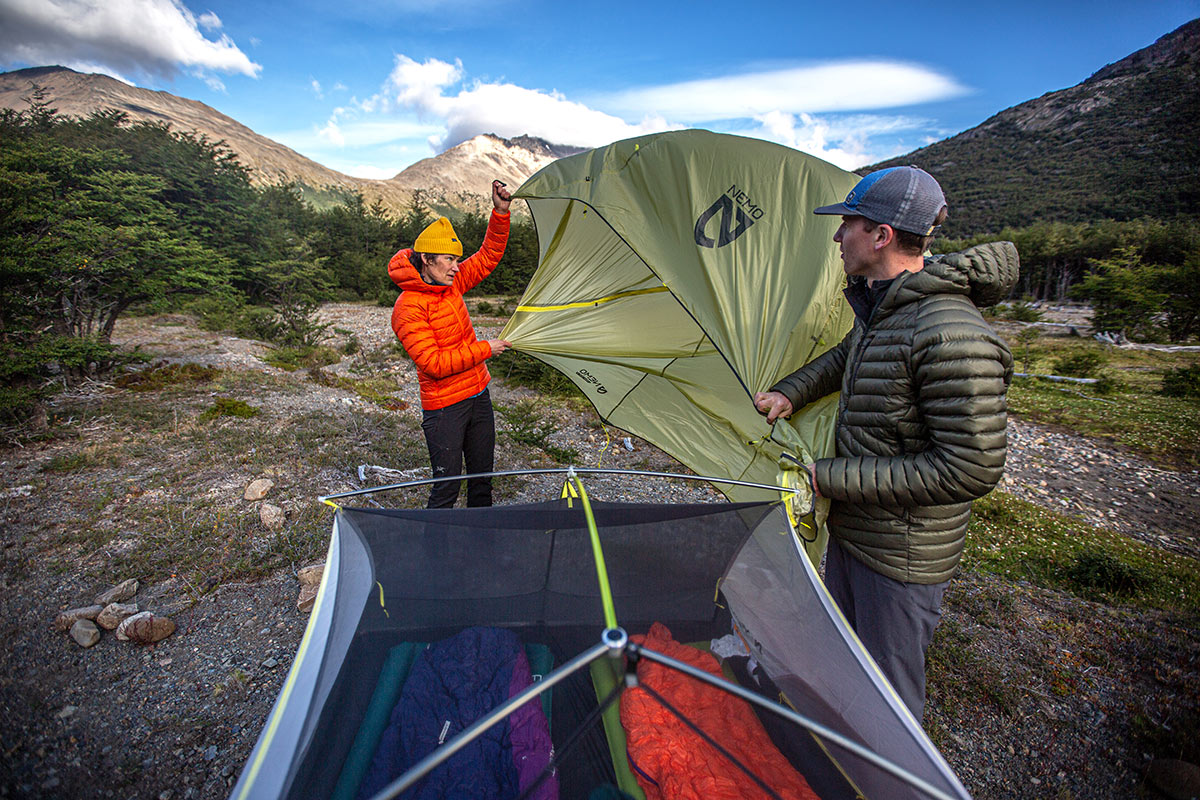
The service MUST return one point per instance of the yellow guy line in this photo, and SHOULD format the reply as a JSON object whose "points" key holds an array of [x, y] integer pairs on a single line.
{"points": [[590, 303]]}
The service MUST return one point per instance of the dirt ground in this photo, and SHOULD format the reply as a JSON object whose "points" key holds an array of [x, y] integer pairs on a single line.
{"points": [[1077, 684]]}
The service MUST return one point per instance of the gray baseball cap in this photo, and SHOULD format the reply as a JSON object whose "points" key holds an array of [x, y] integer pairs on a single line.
{"points": [[907, 198]]}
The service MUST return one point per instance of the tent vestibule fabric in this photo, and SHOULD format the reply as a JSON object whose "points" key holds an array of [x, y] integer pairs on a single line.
{"points": [[397, 576], [680, 273]]}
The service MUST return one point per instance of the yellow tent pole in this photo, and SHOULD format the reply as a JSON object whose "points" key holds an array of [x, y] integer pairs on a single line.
{"points": [[610, 613]]}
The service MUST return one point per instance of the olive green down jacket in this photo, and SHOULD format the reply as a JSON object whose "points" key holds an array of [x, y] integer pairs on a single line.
{"points": [[921, 420]]}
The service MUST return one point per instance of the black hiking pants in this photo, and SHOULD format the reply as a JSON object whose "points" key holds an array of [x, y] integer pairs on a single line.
{"points": [[465, 431]]}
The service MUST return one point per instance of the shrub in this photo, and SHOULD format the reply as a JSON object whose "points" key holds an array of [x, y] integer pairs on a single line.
{"points": [[372, 390], [28, 363], [1081, 364], [1026, 338], [1108, 383], [234, 316], [1127, 295], [1019, 311], [162, 375], [215, 312], [500, 309], [296, 323], [291, 321], [1182, 382], [526, 426], [1100, 570], [228, 407], [18, 402], [294, 358], [255, 322], [71, 462]]}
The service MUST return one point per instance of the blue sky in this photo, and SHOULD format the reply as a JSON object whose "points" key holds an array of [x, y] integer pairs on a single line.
{"points": [[368, 87]]}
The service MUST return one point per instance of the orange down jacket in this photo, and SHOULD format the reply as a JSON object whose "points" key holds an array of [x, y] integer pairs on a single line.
{"points": [[433, 324], [672, 762]]}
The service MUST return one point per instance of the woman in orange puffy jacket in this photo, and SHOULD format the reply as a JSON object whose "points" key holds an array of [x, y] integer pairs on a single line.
{"points": [[431, 320]]}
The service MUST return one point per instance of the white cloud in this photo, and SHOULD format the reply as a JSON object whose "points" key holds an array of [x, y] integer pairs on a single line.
{"points": [[316, 87], [332, 133], [838, 86], [419, 86], [153, 37], [842, 140], [89, 67], [212, 81], [210, 21], [504, 109], [344, 143], [437, 103]]}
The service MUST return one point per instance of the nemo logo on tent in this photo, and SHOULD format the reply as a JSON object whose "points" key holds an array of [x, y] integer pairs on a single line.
{"points": [[737, 213]]}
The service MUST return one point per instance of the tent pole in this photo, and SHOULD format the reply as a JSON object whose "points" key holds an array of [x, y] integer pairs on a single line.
{"points": [[606, 600], [557, 471]]}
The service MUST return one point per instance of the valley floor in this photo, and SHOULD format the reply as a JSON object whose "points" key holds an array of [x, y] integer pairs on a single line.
{"points": [[1033, 692]]}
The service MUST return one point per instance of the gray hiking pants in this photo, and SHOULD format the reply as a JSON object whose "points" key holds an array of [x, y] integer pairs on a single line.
{"points": [[894, 620]]}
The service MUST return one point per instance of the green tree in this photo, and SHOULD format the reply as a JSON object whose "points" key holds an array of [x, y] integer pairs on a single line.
{"points": [[1126, 294], [1182, 305], [83, 238]]}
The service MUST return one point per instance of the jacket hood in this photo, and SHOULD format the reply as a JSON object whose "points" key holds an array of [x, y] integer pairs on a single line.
{"points": [[986, 273], [405, 275]]}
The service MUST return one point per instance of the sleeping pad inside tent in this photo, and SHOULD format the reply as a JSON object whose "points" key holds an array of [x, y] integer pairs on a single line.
{"points": [[398, 581]]}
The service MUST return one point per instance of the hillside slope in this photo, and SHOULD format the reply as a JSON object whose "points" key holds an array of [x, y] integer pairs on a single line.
{"points": [[456, 180], [1120, 145]]}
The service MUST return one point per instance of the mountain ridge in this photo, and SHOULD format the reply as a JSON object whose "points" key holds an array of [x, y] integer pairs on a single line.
{"points": [[1114, 146], [455, 180]]}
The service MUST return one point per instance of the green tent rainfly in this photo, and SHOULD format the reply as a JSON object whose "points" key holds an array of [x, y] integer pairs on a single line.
{"points": [[679, 274]]}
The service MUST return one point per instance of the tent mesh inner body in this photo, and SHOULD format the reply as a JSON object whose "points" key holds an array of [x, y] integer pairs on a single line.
{"points": [[529, 569]]}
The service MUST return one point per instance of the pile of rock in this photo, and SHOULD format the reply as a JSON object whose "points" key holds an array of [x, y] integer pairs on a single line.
{"points": [[110, 611], [271, 515]]}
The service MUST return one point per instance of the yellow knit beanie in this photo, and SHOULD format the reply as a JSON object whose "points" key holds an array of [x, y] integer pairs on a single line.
{"points": [[439, 237]]}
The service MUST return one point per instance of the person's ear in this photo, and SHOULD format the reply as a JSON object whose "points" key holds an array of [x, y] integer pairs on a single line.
{"points": [[884, 235]]}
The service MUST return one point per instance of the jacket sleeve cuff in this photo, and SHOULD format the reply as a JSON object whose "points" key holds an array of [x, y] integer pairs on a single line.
{"points": [[821, 476], [788, 390]]}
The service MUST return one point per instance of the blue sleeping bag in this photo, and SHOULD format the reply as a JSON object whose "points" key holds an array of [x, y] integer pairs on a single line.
{"points": [[452, 684]]}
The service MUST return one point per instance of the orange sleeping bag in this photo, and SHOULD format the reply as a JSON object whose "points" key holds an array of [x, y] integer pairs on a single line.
{"points": [[671, 761]]}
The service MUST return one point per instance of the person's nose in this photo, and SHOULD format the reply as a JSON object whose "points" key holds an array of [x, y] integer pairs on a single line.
{"points": [[837, 237]]}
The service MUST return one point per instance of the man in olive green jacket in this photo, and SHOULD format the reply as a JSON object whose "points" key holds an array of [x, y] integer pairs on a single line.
{"points": [[921, 420]]}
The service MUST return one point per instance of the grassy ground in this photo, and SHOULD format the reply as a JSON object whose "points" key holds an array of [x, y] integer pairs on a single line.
{"points": [[150, 470], [1131, 411], [163, 456], [1020, 541]]}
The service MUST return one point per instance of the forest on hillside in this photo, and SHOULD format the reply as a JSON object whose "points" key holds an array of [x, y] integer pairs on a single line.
{"points": [[100, 218]]}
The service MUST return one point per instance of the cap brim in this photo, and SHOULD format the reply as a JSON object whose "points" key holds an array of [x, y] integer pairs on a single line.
{"points": [[838, 208]]}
